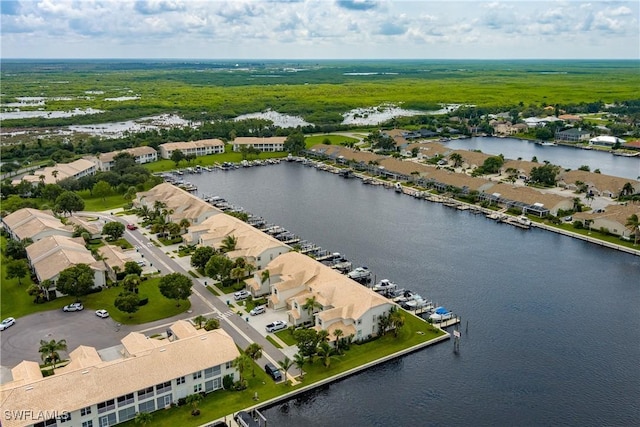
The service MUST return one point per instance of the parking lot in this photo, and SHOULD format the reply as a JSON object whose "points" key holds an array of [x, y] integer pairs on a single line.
{"points": [[260, 321]]}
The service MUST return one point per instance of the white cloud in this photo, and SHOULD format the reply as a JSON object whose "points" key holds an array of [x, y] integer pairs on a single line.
{"points": [[320, 28]]}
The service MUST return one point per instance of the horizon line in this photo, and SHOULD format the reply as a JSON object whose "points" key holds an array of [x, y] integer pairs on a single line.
{"points": [[310, 59]]}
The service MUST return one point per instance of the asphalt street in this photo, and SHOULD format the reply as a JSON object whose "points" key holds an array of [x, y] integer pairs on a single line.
{"points": [[21, 341]]}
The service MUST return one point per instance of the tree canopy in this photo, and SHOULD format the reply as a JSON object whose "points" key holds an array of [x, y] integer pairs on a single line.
{"points": [[113, 229], [294, 143], [75, 281], [544, 175], [201, 256], [69, 202], [127, 302], [175, 286]]}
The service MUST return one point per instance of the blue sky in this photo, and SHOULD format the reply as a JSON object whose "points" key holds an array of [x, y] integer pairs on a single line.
{"points": [[319, 29]]}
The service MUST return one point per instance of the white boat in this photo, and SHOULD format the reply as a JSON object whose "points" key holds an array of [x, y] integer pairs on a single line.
{"points": [[398, 187], [360, 273], [441, 314], [384, 285], [416, 303]]}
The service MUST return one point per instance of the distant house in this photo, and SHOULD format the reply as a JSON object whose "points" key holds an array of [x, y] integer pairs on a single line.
{"points": [[34, 224], [344, 303], [570, 118], [52, 174], [606, 140], [272, 144], [52, 254], [202, 147], [613, 218], [141, 155], [572, 135]]}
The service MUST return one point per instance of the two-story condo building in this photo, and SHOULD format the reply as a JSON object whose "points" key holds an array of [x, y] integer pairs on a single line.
{"points": [[271, 144], [34, 224], [95, 390], [256, 247], [346, 305], [202, 147], [52, 174], [180, 204], [141, 155]]}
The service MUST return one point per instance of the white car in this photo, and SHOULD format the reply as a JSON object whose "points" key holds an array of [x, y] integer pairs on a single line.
{"points": [[276, 326], [9, 321], [76, 306], [102, 313], [240, 295], [258, 310]]}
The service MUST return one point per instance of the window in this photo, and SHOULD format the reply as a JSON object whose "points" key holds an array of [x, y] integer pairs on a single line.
{"points": [[85, 411], [106, 406], [149, 406], [180, 381], [211, 372], [197, 375], [48, 423], [228, 365], [163, 387], [64, 417], [145, 393], [359, 321], [212, 385], [197, 388], [107, 420], [125, 400], [87, 423], [127, 414], [164, 401]]}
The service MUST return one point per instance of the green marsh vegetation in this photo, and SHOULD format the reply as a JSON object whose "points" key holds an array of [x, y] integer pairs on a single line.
{"points": [[318, 91]]}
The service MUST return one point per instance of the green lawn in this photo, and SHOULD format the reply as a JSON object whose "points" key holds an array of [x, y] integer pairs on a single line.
{"points": [[335, 140], [15, 301], [96, 204], [222, 403], [158, 307], [286, 335], [212, 159]]}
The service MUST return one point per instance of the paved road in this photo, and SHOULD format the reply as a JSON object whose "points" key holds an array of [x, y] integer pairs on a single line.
{"points": [[21, 341]]}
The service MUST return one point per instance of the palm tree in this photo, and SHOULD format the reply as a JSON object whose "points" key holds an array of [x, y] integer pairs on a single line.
{"points": [[158, 206], [242, 363], [194, 400], [173, 229], [143, 418], [49, 350], [338, 334], [299, 360], [237, 273], [54, 174], [285, 364], [116, 270], [160, 225], [254, 351], [456, 158], [185, 224], [311, 305], [144, 212], [211, 324], [228, 244], [131, 282], [199, 320], [397, 320], [627, 189], [324, 352], [265, 276], [633, 224], [323, 335]]}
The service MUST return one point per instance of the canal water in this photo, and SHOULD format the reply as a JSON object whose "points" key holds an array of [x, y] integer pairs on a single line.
{"points": [[550, 325], [567, 157]]}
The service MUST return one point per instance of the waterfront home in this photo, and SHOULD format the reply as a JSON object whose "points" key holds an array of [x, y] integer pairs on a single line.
{"points": [[271, 144], [613, 219], [256, 247], [34, 224], [596, 183], [198, 148], [179, 204], [570, 118], [100, 388], [526, 199], [426, 150], [572, 135], [52, 254], [342, 303], [142, 155], [52, 174], [606, 141]]}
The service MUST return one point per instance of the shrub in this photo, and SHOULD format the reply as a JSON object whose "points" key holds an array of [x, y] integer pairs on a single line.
{"points": [[578, 225], [143, 301], [227, 382]]}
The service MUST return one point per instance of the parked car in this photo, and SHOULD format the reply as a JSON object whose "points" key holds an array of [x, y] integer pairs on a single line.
{"points": [[258, 310], [132, 227], [102, 313], [141, 263], [240, 295], [76, 306], [276, 326], [273, 372], [9, 321]]}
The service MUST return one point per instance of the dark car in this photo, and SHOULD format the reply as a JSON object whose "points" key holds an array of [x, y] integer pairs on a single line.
{"points": [[273, 372]]}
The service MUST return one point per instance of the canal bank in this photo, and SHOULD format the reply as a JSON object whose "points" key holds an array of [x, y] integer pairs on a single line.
{"points": [[336, 378]]}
